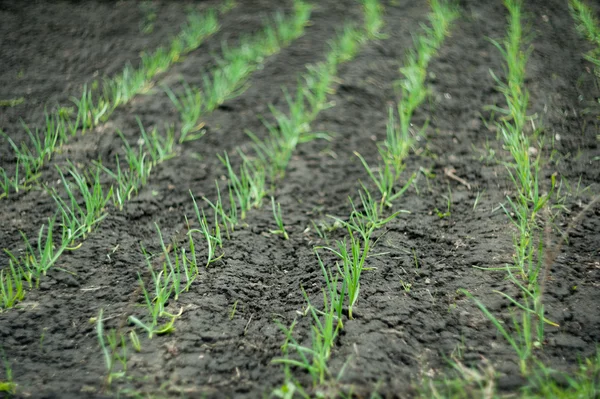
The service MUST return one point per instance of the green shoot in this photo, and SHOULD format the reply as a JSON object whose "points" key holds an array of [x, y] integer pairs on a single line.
{"points": [[353, 263], [248, 185], [229, 219], [278, 220], [212, 239], [412, 85], [111, 352], [189, 105], [11, 286], [7, 385], [135, 341], [373, 14], [386, 179], [324, 332]]}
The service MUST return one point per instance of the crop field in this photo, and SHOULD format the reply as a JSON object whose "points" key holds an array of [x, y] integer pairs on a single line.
{"points": [[300, 199]]}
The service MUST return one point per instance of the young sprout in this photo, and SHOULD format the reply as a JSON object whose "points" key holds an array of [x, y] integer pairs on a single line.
{"points": [[278, 220], [212, 239]]}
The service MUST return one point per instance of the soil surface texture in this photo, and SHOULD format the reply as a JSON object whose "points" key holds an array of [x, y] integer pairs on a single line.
{"points": [[399, 336]]}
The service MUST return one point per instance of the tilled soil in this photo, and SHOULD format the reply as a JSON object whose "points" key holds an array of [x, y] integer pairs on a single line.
{"points": [[397, 337]]}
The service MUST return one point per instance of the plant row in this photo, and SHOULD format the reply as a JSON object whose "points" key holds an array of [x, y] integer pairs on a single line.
{"points": [[342, 284], [98, 102], [247, 186]]}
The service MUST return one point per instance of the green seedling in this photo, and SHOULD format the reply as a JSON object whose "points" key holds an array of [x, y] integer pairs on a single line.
{"points": [[7, 385], [32, 158], [180, 264], [197, 29], [156, 305], [148, 11], [213, 239], [233, 310], [414, 71], [448, 199], [345, 46], [331, 291], [127, 183], [321, 231], [189, 105], [528, 333], [36, 261], [386, 178], [138, 161], [525, 208], [406, 286], [396, 146], [159, 148], [135, 341], [8, 184], [373, 15], [11, 286], [77, 219], [248, 185], [278, 220], [477, 199], [111, 351], [228, 218], [324, 332], [352, 266]]}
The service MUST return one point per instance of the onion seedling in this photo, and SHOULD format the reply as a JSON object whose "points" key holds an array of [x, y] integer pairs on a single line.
{"points": [[385, 180], [524, 210], [38, 260], [11, 286], [323, 334], [353, 263], [135, 341], [278, 220], [179, 264], [156, 304], [189, 105], [7, 386], [331, 290], [373, 16], [345, 46], [160, 148], [248, 186], [229, 219], [127, 183], [78, 219], [198, 27], [212, 239], [110, 351]]}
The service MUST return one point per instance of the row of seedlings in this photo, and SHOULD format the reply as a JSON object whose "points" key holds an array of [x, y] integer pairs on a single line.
{"points": [[98, 102], [342, 285], [179, 265], [73, 222], [529, 209]]}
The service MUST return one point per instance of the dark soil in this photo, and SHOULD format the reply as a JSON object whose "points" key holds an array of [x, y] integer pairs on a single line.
{"points": [[397, 338]]}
